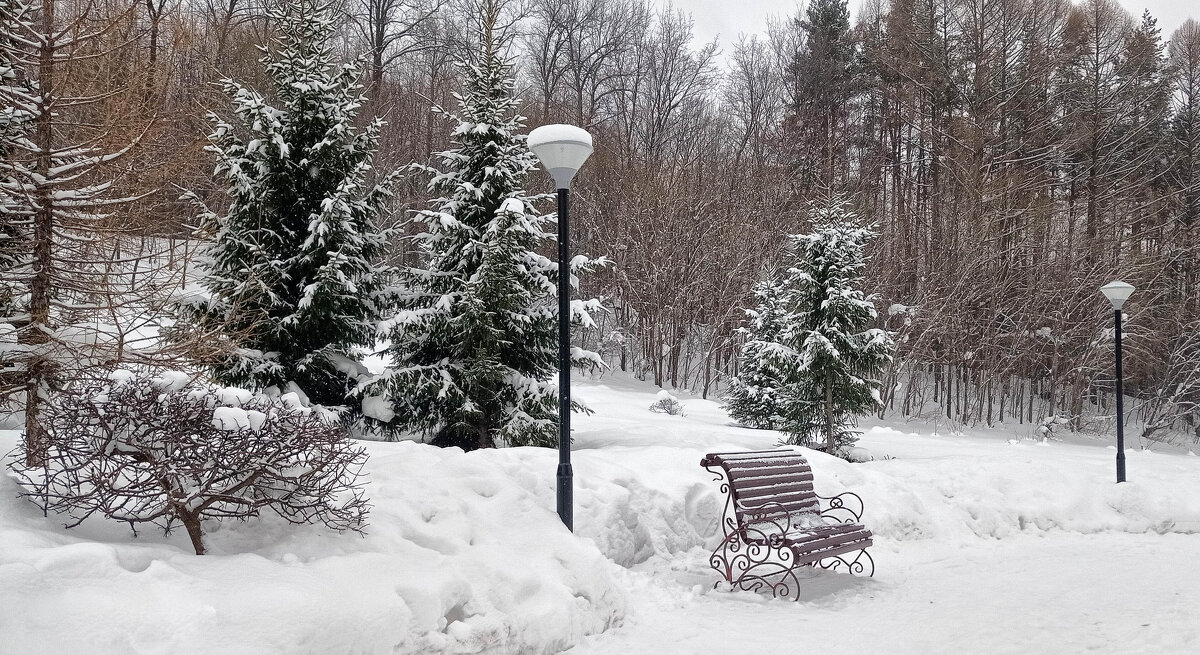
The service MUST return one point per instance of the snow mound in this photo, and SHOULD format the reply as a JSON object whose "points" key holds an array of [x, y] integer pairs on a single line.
{"points": [[465, 554], [461, 557]]}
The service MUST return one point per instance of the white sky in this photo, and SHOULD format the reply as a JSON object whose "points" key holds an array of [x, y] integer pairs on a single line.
{"points": [[728, 18]]}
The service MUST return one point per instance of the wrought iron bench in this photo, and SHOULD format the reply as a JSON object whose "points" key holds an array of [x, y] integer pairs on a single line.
{"points": [[774, 523]]}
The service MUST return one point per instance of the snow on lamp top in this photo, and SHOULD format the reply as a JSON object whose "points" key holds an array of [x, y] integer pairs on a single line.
{"points": [[562, 149], [1117, 293]]}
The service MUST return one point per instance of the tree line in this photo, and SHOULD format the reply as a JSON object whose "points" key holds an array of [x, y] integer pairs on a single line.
{"points": [[1012, 156]]}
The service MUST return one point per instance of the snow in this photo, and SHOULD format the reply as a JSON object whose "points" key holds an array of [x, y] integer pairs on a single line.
{"points": [[378, 407], [169, 381], [464, 553], [559, 132], [514, 205], [985, 541], [233, 396], [230, 419]]}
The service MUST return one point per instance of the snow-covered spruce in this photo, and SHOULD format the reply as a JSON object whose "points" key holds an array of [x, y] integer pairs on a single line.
{"points": [[291, 283], [765, 364], [474, 341], [157, 449], [838, 357]]}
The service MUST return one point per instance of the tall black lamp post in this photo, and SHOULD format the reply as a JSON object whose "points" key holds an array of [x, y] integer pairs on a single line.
{"points": [[1117, 293], [562, 150]]}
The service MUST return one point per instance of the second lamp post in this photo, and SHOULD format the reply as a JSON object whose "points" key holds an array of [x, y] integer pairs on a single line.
{"points": [[562, 150], [1117, 293]]}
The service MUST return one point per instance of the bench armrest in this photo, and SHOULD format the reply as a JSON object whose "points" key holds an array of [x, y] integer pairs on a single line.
{"points": [[846, 507]]}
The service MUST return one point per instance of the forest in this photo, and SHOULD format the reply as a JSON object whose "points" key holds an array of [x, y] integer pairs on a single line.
{"points": [[1012, 156]]}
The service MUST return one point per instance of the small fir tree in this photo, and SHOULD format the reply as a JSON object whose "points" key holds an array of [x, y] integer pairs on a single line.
{"points": [[765, 365], [290, 278], [839, 358], [474, 342]]}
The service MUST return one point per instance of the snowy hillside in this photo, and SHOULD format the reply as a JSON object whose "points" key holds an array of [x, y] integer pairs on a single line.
{"points": [[984, 543]]}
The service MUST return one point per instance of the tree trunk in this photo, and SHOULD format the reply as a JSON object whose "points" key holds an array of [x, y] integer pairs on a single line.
{"points": [[192, 523], [829, 436], [40, 368]]}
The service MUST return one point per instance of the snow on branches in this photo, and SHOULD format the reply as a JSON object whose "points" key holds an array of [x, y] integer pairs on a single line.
{"points": [[292, 273], [157, 449], [474, 336], [812, 362]]}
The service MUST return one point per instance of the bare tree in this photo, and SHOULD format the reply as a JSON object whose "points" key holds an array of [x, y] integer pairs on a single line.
{"points": [[53, 179], [392, 30]]}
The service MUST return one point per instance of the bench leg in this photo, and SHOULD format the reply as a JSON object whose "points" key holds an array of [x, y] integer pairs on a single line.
{"points": [[755, 567], [862, 564]]}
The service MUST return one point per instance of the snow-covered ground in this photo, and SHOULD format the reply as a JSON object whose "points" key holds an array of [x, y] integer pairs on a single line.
{"points": [[985, 542]]}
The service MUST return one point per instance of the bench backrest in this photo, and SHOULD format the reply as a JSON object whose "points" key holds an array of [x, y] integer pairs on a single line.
{"points": [[767, 484]]}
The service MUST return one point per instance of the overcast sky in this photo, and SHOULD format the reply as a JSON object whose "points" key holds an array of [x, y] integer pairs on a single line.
{"points": [[728, 18]]}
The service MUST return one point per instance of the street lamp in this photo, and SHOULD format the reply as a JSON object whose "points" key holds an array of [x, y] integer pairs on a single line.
{"points": [[1117, 293], [562, 150]]}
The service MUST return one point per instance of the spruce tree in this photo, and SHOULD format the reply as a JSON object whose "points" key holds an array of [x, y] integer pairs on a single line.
{"points": [[474, 343], [290, 279], [823, 78], [765, 365], [839, 358]]}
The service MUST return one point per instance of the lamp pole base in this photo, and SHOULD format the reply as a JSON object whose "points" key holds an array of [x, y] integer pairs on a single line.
{"points": [[565, 509]]}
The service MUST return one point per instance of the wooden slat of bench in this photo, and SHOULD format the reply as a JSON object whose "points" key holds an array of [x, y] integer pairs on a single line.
{"points": [[777, 511], [769, 479], [766, 461], [820, 538], [713, 459], [746, 493], [803, 558], [860, 538], [786, 502], [775, 514], [834, 531], [764, 471]]}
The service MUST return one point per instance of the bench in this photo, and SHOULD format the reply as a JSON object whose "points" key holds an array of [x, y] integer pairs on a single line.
{"points": [[775, 523]]}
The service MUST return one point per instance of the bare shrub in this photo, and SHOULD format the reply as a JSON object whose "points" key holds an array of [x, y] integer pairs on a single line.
{"points": [[166, 451], [667, 404]]}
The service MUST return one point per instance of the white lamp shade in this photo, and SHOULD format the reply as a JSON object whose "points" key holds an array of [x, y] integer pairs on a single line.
{"points": [[1117, 293], [562, 150]]}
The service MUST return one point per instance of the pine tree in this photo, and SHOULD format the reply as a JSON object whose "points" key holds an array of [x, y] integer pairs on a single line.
{"points": [[1185, 170], [839, 357], [290, 278], [474, 341], [1144, 78], [824, 76], [766, 365]]}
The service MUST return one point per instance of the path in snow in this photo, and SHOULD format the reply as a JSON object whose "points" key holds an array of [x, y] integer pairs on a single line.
{"points": [[986, 543], [1106, 593]]}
